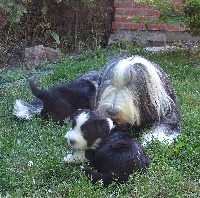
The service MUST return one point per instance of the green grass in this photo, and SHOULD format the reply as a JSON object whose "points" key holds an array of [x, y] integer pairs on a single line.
{"points": [[31, 152]]}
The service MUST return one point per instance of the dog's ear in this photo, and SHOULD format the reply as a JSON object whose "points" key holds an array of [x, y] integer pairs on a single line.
{"points": [[39, 93], [103, 127]]}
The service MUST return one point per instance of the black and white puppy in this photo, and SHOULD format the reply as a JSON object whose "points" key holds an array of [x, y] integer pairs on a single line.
{"points": [[60, 102], [136, 92], [112, 151]]}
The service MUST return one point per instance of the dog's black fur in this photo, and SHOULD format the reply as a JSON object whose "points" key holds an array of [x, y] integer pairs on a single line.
{"points": [[136, 93], [59, 102], [116, 157]]}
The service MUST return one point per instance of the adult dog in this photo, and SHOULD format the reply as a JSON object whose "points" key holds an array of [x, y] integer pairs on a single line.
{"points": [[136, 92], [112, 152], [60, 102]]}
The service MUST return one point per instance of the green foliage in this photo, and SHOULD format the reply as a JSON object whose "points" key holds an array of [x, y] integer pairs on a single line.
{"points": [[14, 9], [192, 13], [76, 2], [172, 13], [32, 151]]}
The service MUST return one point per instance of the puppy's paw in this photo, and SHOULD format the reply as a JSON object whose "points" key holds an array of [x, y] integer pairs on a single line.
{"points": [[77, 157], [69, 158]]}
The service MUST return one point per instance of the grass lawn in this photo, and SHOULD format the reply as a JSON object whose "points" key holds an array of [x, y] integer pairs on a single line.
{"points": [[31, 152]]}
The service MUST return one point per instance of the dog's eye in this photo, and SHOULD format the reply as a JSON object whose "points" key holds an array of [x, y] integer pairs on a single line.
{"points": [[72, 142]]}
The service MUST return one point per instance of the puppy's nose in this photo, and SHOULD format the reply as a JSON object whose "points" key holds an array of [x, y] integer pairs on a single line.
{"points": [[112, 111], [72, 142]]}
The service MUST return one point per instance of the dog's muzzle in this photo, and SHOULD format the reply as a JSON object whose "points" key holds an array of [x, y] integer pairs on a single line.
{"points": [[112, 112]]}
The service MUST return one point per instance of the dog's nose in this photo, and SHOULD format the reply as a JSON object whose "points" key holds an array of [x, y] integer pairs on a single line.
{"points": [[112, 111], [72, 142]]}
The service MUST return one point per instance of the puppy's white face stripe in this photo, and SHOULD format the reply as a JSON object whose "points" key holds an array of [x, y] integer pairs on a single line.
{"points": [[80, 120], [75, 134]]}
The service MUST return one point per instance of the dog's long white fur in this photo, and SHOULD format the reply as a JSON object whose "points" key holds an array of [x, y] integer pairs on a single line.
{"points": [[23, 110], [158, 133], [77, 157], [122, 76], [120, 93], [159, 97]]}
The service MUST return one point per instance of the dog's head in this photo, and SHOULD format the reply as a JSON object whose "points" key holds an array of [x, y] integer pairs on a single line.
{"points": [[62, 101], [88, 129], [133, 91]]}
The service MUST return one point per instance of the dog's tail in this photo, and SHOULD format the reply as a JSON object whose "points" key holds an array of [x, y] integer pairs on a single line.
{"points": [[39, 93], [95, 176], [26, 110]]}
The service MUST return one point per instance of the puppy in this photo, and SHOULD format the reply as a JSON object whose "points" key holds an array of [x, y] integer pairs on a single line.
{"points": [[136, 92], [112, 152], [60, 102]]}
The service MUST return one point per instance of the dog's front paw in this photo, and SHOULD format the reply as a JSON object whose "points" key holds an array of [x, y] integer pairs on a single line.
{"points": [[77, 157], [69, 158]]}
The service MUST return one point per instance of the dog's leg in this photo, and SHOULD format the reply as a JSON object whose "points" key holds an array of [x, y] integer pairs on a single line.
{"points": [[26, 110], [161, 133], [95, 176], [77, 157]]}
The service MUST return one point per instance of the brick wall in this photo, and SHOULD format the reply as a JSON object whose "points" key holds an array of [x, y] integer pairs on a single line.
{"points": [[125, 10]]}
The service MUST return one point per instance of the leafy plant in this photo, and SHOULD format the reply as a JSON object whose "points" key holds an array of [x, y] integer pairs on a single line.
{"points": [[185, 13], [14, 9]]}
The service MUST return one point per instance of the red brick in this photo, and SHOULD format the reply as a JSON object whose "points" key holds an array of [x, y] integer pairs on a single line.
{"points": [[154, 27], [122, 19], [145, 18], [172, 28], [141, 5], [116, 26], [132, 12], [132, 26], [123, 4], [151, 13], [120, 11], [127, 26], [125, 9]]}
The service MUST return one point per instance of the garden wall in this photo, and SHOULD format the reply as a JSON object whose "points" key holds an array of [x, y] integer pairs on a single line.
{"points": [[82, 27], [124, 29]]}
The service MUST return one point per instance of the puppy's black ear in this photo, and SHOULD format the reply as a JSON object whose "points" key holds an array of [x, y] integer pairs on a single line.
{"points": [[103, 127]]}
